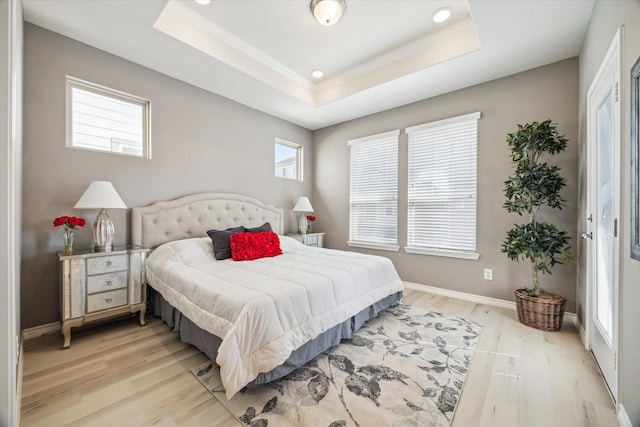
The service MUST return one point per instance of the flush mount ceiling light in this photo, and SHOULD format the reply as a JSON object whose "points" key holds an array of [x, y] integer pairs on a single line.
{"points": [[317, 74], [203, 2], [441, 14], [328, 12]]}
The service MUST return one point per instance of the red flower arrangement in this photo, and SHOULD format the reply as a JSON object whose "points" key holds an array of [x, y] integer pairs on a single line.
{"points": [[311, 217], [69, 222]]}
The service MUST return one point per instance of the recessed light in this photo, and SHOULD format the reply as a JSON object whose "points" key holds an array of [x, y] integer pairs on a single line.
{"points": [[203, 2], [317, 74], [441, 14]]}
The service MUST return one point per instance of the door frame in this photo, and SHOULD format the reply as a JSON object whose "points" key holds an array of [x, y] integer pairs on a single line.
{"points": [[613, 53], [11, 70]]}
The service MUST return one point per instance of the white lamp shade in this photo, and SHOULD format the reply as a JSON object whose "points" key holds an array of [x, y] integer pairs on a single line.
{"points": [[99, 195], [303, 205]]}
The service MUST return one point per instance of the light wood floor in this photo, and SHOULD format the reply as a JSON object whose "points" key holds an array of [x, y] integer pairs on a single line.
{"points": [[122, 374]]}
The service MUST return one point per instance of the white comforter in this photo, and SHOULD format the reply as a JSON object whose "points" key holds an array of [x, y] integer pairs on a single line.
{"points": [[266, 308]]}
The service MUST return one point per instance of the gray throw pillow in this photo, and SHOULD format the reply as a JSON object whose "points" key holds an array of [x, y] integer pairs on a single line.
{"points": [[221, 242], [264, 227]]}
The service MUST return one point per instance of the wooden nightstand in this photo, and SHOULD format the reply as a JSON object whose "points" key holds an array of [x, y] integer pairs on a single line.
{"points": [[97, 285], [309, 239]]}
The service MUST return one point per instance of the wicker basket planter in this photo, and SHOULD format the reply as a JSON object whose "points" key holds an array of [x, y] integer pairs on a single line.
{"points": [[544, 312]]}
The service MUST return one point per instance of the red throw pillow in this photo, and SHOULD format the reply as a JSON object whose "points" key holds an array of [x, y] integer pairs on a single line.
{"points": [[248, 246]]}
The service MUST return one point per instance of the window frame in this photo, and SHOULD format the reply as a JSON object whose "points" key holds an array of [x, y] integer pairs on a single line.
{"points": [[431, 250], [393, 137], [75, 83], [299, 159]]}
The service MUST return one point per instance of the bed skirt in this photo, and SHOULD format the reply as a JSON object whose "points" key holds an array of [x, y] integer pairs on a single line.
{"points": [[209, 343]]}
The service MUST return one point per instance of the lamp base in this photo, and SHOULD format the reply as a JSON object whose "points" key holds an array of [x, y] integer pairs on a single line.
{"points": [[103, 232], [303, 223]]}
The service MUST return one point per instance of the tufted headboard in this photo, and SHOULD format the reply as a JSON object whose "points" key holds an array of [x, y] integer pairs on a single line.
{"points": [[192, 216]]}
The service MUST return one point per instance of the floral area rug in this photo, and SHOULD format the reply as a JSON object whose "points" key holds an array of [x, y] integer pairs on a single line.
{"points": [[405, 367]]}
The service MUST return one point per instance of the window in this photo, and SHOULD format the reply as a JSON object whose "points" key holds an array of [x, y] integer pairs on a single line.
{"points": [[288, 160], [373, 192], [103, 119], [442, 187]]}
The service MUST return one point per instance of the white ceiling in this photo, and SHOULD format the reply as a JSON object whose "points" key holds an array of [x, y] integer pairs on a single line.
{"points": [[382, 53]]}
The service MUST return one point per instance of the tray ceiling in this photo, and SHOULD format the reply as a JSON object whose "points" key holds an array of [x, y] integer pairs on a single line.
{"points": [[382, 54]]}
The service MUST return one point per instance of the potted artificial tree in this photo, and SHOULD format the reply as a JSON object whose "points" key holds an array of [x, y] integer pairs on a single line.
{"points": [[536, 184]]}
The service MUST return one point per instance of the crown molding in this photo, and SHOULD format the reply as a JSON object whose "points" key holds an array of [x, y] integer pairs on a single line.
{"points": [[446, 35], [192, 28], [236, 43]]}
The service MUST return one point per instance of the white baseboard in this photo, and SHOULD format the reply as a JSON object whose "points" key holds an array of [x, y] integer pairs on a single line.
{"points": [[52, 328], [583, 334], [623, 417], [20, 376], [480, 299], [38, 331]]}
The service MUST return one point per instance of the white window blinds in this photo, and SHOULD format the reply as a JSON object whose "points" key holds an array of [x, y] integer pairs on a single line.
{"points": [[104, 119], [373, 191], [442, 186]]}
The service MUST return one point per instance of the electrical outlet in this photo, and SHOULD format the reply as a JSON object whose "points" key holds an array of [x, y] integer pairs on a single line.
{"points": [[488, 274]]}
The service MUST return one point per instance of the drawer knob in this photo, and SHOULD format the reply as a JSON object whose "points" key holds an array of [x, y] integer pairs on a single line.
{"points": [[108, 283], [108, 300], [109, 263]]}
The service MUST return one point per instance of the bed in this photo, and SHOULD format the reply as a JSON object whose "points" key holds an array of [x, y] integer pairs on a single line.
{"points": [[258, 320]]}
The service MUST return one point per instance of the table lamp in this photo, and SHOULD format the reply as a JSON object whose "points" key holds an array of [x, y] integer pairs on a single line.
{"points": [[101, 195], [303, 205]]}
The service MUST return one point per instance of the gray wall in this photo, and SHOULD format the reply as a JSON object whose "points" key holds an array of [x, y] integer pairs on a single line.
{"points": [[607, 17], [200, 142], [547, 92]]}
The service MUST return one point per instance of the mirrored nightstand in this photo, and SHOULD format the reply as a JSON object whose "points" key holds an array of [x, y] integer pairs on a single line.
{"points": [[98, 285]]}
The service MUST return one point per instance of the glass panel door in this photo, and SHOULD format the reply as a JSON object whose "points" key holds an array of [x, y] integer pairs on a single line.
{"points": [[603, 176], [605, 223]]}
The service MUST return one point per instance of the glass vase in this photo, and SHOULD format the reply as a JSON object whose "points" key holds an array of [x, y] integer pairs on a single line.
{"points": [[67, 237], [309, 226]]}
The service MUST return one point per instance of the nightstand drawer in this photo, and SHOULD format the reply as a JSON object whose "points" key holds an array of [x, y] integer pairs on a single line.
{"points": [[311, 240], [106, 282], [106, 300], [106, 264]]}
